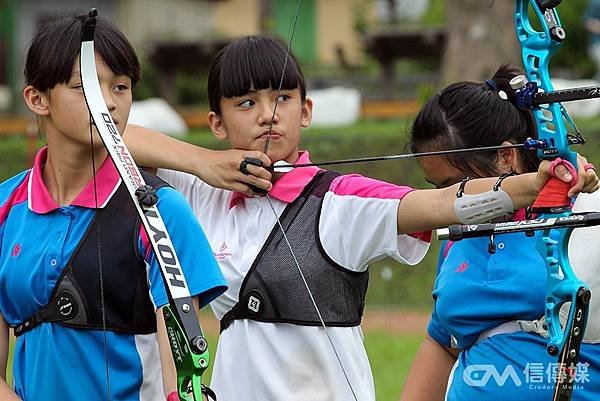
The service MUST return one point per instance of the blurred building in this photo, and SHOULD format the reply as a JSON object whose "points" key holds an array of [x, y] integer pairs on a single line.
{"points": [[328, 31]]}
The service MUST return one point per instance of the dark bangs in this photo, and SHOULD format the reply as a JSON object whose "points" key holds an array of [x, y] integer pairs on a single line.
{"points": [[57, 43], [252, 63]]}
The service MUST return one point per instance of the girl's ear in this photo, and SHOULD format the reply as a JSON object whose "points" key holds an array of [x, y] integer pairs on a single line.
{"points": [[306, 117], [36, 100], [216, 125], [508, 159]]}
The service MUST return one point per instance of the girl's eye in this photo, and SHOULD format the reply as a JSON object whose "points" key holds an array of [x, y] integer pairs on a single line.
{"points": [[246, 103], [121, 88], [283, 98]]}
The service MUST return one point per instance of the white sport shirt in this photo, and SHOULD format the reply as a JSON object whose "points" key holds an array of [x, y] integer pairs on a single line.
{"points": [[257, 361]]}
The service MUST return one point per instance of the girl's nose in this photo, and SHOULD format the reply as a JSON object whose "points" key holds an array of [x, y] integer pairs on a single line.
{"points": [[269, 114]]}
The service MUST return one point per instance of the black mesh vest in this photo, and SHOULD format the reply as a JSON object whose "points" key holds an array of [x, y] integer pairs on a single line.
{"points": [[273, 290], [76, 298]]}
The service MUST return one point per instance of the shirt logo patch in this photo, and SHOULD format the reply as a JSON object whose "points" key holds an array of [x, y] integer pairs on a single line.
{"points": [[223, 252], [253, 304], [462, 267], [16, 251]]}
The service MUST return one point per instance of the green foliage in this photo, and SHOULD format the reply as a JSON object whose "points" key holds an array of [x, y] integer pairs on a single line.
{"points": [[148, 87], [12, 156], [191, 88], [436, 16], [573, 54], [426, 91], [360, 15]]}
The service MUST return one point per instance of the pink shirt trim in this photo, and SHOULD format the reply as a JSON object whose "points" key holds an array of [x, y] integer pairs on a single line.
{"points": [[19, 195], [290, 185], [146, 244], [40, 200], [357, 185], [365, 187]]}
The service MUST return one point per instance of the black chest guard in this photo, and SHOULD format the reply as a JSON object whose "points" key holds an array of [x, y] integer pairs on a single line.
{"points": [[76, 299], [273, 290]]}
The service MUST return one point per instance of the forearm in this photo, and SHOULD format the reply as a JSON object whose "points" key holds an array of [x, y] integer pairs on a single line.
{"points": [[7, 393], [169, 373], [428, 376], [423, 210], [169, 370], [153, 149], [220, 169]]}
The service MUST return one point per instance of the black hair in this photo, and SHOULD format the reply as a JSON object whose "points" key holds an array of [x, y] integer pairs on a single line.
{"points": [[252, 63], [473, 114], [57, 43]]}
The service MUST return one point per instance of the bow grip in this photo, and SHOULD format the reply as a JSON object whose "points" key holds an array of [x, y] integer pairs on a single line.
{"points": [[553, 197]]}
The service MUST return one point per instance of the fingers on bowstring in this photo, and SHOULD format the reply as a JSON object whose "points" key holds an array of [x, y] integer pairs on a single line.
{"points": [[265, 160], [258, 183], [248, 184], [258, 172], [256, 164]]}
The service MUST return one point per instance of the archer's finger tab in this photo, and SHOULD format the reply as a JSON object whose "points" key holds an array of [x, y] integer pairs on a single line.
{"points": [[249, 160], [244, 169]]}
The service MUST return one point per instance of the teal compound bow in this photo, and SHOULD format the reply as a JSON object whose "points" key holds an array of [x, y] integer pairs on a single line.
{"points": [[536, 93], [188, 345]]}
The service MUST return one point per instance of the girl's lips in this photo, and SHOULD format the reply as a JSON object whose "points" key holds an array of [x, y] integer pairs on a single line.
{"points": [[274, 136]]}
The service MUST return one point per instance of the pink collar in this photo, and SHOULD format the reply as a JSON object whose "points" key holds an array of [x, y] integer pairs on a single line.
{"points": [[40, 201], [290, 185]]}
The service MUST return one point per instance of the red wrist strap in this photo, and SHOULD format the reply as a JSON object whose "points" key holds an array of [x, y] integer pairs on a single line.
{"points": [[173, 396]]}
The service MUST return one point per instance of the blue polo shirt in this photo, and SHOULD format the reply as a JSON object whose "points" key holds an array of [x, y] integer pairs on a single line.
{"points": [[37, 238], [476, 291]]}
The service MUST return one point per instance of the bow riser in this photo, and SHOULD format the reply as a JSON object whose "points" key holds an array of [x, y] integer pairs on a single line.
{"points": [[537, 48]]}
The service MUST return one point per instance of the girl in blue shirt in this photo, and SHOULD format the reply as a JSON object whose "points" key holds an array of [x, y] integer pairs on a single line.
{"points": [[473, 350], [71, 238]]}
